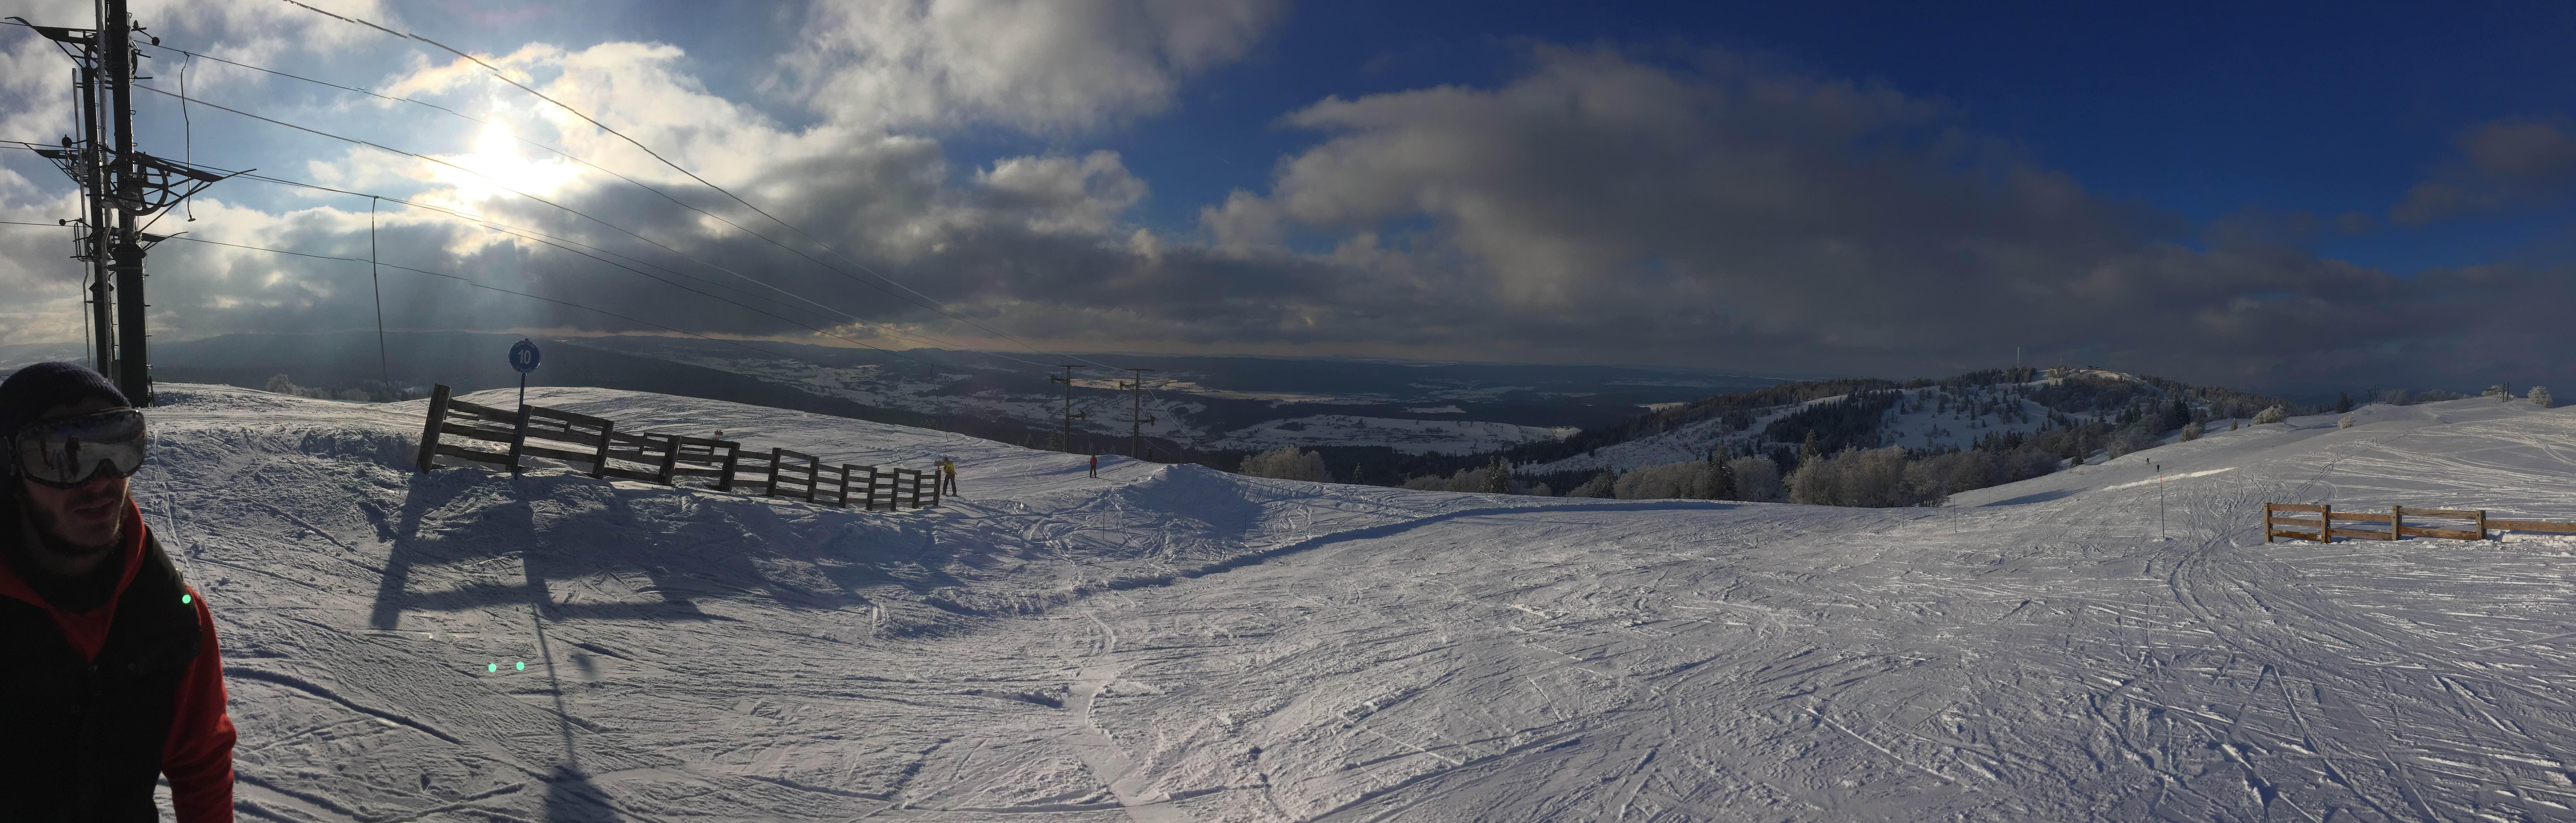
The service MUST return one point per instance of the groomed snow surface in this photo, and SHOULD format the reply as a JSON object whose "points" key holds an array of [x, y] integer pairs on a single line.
{"points": [[1168, 643]]}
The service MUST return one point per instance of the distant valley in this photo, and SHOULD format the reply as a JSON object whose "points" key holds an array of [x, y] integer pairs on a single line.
{"points": [[1196, 406]]}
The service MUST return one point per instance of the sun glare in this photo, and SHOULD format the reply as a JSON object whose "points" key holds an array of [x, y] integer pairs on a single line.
{"points": [[499, 164]]}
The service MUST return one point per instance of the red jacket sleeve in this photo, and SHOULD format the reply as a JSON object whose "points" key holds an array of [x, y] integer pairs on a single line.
{"points": [[198, 758]]}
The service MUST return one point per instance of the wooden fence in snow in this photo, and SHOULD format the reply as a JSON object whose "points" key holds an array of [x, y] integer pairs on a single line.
{"points": [[2322, 528], [595, 442]]}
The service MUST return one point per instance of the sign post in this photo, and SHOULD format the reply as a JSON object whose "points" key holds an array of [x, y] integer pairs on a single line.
{"points": [[523, 357]]}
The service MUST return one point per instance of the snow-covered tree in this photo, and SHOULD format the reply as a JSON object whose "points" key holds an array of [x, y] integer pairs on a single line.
{"points": [[1875, 478], [1496, 478], [1717, 480], [281, 385], [1288, 463], [2274, 414], [1757, 479], [2344, 422], [2540, 397], [1604, 484], [2193, 431]]}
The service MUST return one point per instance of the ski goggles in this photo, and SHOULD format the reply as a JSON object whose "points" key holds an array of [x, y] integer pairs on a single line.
{"points": [[68, 453]]}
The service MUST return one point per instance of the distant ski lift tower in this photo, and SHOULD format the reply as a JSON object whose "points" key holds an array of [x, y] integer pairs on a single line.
{"points": [[1136, 416], [85, 164], [135, 184], [1069, 414]]}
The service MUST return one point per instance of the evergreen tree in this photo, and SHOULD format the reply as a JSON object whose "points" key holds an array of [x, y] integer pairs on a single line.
{"points": [[1497, 477], [1809, 452], [2343, 402], [1601, 485]]}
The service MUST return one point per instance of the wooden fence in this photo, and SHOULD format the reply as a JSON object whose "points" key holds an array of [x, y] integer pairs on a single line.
{"points": [[536, 431], [2322, 528]]}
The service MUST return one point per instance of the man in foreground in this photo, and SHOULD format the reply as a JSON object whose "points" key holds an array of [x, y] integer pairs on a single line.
{"points": [[111, 677]]}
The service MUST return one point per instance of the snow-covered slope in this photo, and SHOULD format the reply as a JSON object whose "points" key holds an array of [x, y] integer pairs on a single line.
{"points": [[1168, 643], [1691, 441], [1922, 419]]}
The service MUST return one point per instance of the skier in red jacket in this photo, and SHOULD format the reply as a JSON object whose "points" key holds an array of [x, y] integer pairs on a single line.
{"points": [[112, 677]]}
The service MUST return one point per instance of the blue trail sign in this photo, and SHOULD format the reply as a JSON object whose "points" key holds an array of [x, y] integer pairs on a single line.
{"points": [[524, 355]]}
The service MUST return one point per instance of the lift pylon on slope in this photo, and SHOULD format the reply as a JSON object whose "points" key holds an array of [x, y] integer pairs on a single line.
{"points": [[115, 176]]}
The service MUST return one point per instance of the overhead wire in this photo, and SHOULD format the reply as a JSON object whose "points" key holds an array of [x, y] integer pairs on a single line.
{"points": [[479, 285], [532, 235], [383, 360], [496, 72], [188, 128], [853, 319], [185, 99], [548, 240], [489, 223], [638, 184]]}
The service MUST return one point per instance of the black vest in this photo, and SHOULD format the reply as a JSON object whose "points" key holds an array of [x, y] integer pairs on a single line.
{"points": [[81, 741]]}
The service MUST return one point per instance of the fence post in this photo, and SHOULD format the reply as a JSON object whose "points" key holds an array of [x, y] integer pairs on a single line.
{"points": [[519, 439], [843, 499], [938, 483], [437, 425], [670, 457], [732, 454], [2397, 522], [2325, 522], [771, 488], [2267, 524], [605, 431], [2482, 518]]}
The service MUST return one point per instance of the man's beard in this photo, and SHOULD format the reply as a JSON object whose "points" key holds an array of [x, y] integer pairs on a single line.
{"points": [[48, 533]]}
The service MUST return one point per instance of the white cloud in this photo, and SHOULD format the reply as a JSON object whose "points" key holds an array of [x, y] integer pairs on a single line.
{"points": [[1034, 65], [1063, 195]]}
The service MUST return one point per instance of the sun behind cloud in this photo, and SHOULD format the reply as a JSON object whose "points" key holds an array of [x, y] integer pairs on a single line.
{"points": [[500, 165]]}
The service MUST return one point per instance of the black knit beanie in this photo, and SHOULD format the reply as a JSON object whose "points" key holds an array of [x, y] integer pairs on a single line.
{"points": [[28, 394]]}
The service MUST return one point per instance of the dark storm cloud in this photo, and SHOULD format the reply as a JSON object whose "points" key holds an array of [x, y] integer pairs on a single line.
{"points": [[2501, 164]]}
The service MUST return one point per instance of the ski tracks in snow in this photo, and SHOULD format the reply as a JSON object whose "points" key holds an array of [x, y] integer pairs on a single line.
{"points": [[1171, 644]]}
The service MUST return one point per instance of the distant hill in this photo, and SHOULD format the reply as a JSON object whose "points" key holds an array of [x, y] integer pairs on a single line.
{"points": [[1208, 409], [2009, 424]]}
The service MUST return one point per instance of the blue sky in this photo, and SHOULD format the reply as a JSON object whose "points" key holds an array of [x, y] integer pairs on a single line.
{"points": [[2200, 190], [2204, 109]]}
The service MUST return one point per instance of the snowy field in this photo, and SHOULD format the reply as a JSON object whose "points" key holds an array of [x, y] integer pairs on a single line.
{"points": [[1174, 644]]}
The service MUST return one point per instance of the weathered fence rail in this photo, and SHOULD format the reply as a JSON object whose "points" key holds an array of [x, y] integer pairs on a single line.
{"points": [[2322, 528], [453, 427]]}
